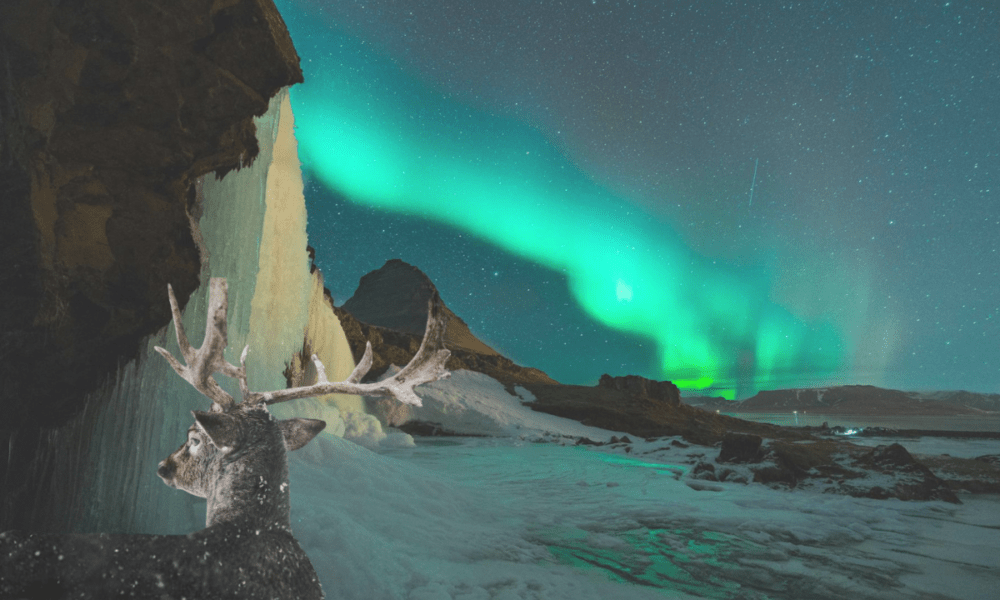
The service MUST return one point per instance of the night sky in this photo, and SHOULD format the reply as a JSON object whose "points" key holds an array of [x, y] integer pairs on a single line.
{"points": [[734, 196]]}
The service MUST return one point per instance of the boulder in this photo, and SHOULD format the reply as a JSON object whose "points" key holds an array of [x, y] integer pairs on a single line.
{"points": [[740, 448], [704, 471], [914, 481]]}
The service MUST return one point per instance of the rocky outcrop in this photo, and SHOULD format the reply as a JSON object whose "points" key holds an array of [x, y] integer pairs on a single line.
{"points": [[109, 111], [979, 475], [630, 408], [911, 479], [784, 458], [634, 385], [389, 309]]}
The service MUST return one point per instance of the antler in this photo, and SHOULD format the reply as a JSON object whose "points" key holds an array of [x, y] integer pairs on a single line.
{"points": [[208, 359], [426, 366]]}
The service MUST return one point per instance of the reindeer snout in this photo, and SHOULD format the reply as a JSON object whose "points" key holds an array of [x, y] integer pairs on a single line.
{"points": [[166, 472]]}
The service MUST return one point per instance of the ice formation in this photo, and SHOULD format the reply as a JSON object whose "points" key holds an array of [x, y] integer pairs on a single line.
{"points": [[251, 230]]}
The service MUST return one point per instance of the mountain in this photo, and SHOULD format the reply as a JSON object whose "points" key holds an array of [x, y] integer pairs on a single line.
{"points": [[389, 309], [395, 296], [988, 402], [712, 403], [866, 399]]}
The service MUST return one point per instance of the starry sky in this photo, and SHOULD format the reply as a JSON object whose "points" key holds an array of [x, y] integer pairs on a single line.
{"points": [[735, 196]]}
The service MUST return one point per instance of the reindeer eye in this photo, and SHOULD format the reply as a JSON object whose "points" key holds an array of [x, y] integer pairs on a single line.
{"points": [[194, 441]]}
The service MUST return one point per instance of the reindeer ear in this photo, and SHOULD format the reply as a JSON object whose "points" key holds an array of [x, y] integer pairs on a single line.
{"points": [[298, 432], [220, 427]]}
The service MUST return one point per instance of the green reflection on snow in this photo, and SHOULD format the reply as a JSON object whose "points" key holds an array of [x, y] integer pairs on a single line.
{"points": [[671, 559]]}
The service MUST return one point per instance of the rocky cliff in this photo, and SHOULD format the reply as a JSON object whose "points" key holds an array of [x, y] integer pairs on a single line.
{"points": [[109, 111]]}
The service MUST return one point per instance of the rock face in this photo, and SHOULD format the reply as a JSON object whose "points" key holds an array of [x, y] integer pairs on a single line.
{"points": [[109, 111], [389, 309]]}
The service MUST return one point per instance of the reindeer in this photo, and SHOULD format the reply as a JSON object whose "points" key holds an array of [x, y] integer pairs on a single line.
{"points": [[235, 457]]}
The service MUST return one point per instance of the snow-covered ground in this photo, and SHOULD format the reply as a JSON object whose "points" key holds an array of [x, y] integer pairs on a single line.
{"points": [[476, 404], [521, 517], [504, 518]]}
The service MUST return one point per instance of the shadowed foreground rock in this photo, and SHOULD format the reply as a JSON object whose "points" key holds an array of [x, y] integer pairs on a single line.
{"points": [[919, 482], [740, 448]]}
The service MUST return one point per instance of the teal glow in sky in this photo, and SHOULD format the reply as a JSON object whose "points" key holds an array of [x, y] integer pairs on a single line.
{"points": [[728, 311]]}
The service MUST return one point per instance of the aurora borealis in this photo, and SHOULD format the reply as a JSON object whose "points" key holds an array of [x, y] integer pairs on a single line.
{"points": [[576, 179]]}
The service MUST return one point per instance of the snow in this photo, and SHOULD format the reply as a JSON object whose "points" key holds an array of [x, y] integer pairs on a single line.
{"points": [[508, 518], [476, 404]]}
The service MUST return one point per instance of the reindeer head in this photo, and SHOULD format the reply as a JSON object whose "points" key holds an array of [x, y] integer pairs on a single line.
{"points": [[217, 440], [239, 449]]}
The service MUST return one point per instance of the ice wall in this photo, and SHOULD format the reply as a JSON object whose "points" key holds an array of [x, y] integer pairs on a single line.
{"points": [[251, 229], [288, 310]]}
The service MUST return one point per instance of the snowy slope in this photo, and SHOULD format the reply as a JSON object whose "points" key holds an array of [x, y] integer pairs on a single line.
{"points": [[472, 403]]}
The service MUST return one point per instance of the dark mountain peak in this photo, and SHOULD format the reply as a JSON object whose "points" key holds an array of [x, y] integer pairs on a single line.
{"points": [[395, 296], [389, 310]]}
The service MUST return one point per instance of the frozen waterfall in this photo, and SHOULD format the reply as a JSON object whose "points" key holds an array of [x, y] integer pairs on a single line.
{"points": [[251, 230]]}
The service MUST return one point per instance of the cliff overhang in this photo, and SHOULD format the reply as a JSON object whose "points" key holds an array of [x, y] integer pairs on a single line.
{"points": [[109, 112]]}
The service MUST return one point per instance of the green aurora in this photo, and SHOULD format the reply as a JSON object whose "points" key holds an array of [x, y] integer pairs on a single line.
{"points": [[402, 146]]}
